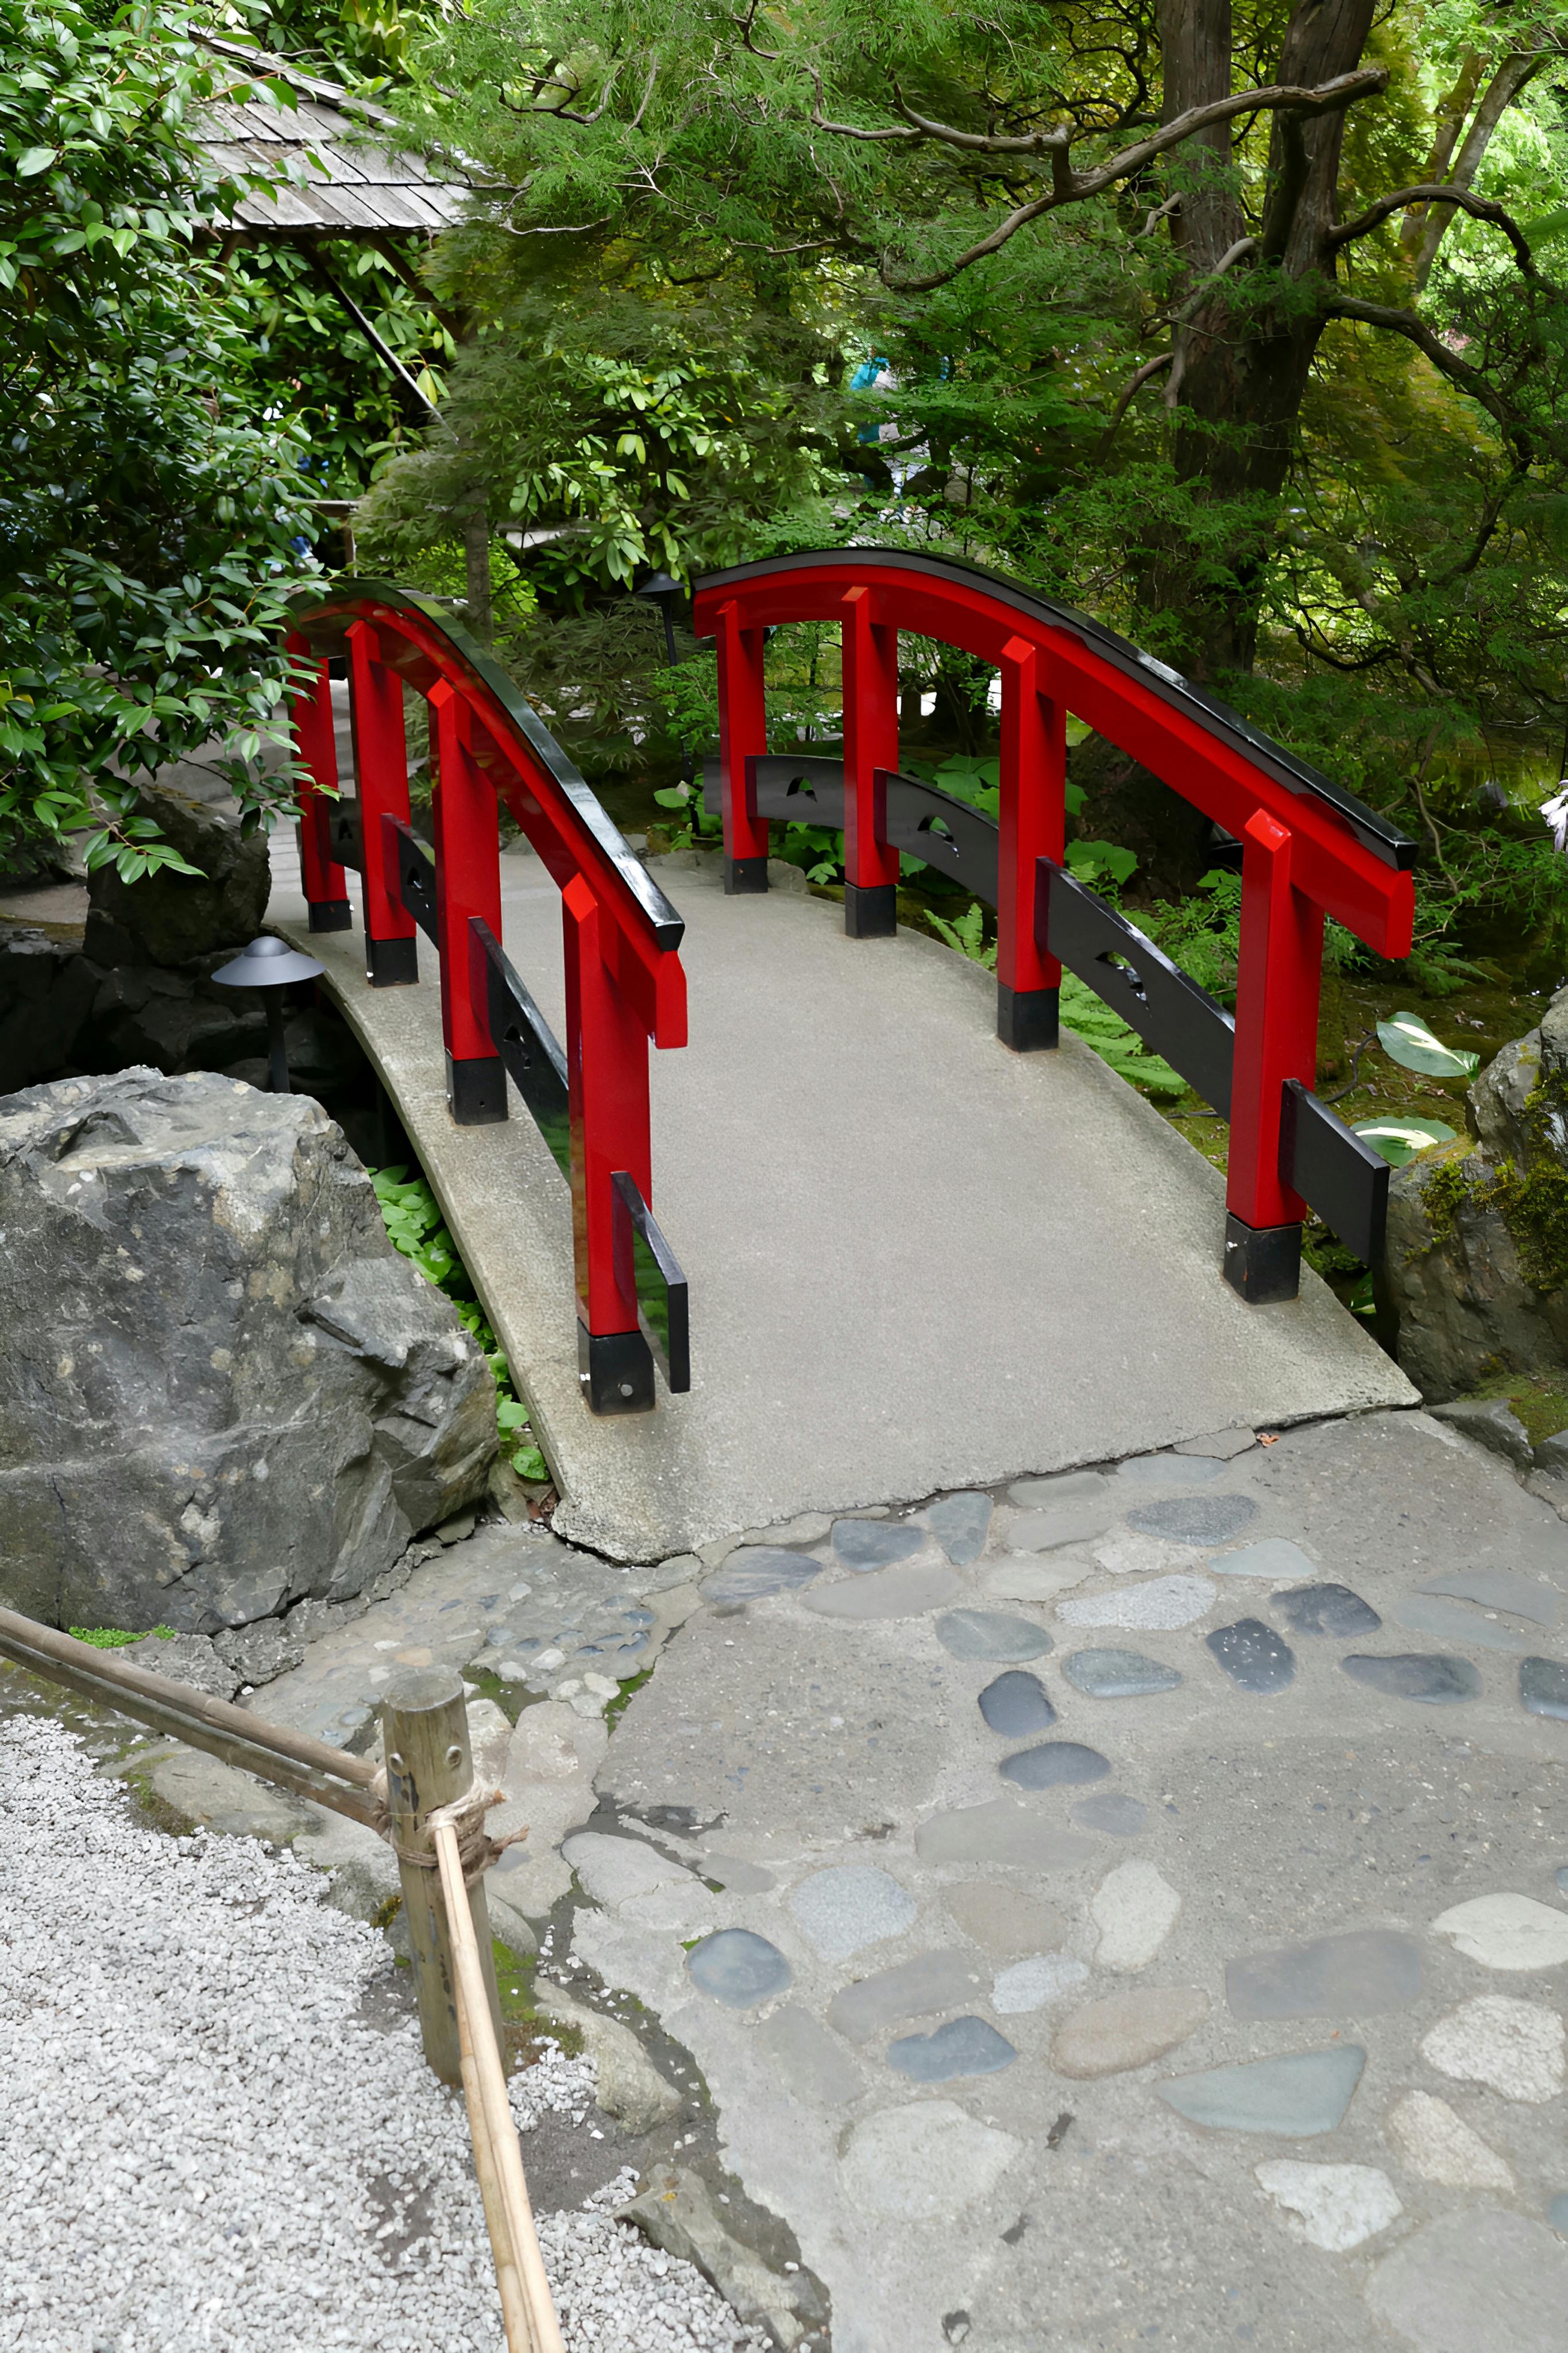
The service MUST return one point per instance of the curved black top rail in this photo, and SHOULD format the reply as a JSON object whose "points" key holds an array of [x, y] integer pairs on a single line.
{"points": [[1385, 841], [324, 618]]}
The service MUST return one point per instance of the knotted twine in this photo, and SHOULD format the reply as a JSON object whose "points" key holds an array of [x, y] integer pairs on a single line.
{"points": [[477, 1850]]}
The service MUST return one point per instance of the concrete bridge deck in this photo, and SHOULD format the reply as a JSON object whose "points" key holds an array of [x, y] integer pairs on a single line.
{"points": [[917, 1261]]}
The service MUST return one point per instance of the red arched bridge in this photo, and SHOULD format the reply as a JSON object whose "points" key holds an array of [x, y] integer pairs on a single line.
{"points": [[1309, 850]]}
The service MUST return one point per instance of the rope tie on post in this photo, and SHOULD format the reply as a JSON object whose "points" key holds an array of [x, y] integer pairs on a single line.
{"points": [[465, 1815]]}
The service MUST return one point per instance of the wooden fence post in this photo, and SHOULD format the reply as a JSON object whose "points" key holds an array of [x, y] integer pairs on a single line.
{"points": [[425, 1737]]}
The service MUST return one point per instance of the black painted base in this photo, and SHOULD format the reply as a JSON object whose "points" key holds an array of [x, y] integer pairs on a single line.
{"points": [[475, 1091], [615, 1369], [1262, 1262], [391, 963], [1028, 1019], [744, 877], [870, 911], [331, 916]]}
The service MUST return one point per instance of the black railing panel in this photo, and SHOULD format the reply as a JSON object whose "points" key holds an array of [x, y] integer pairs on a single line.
{"points": [[1170, 1012], [1345, 1181], [947, 834], [529, 1049], [414, 868], [345, 833], [646, 1267]]}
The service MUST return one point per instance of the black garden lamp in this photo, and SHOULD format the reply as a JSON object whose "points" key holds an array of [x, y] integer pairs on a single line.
{"points": [[270, 965], [659, 586]]}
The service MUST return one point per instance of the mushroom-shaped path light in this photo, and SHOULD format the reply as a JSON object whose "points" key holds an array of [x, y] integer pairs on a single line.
{"points": [[270, 965]]}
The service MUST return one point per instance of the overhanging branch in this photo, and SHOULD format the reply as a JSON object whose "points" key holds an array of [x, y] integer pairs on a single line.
{"points": [[1459, 372], [1438, 193]]}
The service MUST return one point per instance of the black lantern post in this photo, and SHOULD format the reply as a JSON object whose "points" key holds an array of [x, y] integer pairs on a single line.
{"points": [[269, 964], [660, 589]]}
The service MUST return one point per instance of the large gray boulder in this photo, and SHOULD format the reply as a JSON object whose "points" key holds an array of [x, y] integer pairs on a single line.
{"points": [[172, 919], [221, 1389], [1476, 1270]]}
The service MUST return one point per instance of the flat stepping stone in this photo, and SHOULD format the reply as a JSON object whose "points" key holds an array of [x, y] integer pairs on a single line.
{"points": [[874, 1544], [1300, 2095], [1196, 1519], [960, 1525], [1127, 2030], [1330, 1609], [1507, 1931], [738, 1968], [758, 1570], [940, 1980], [1543, 1688], [1015, 1704], [991, 1634], [1336, 2207], [1451, 1621], [1002, 1830], [1423, 1676], [1275, 1557], [812, 2065], [965, 2046], [1029, 1984], [1254, 1656], [1500, 1589], [1160, 1604], [907, 1590], [1056, 1763], [925, 2161], [1068, 1524], [1119, 1674], [1110, 1811], [1360, 1974], [1171, 1470], [842, 1910], [1062, 1487]]}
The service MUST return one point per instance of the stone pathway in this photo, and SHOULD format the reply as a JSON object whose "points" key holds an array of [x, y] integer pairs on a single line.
{"points": [[1129, 1908]]}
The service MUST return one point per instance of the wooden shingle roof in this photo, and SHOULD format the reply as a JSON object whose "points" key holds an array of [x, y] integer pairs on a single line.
{"points": [[344, 182]]}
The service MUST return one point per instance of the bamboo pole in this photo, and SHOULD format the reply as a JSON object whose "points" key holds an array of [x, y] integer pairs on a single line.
{"points": [[514, 2303], [475, 2023]]}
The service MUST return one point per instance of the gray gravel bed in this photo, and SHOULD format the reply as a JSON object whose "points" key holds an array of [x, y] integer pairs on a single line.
{"points": [[205, 2142]]}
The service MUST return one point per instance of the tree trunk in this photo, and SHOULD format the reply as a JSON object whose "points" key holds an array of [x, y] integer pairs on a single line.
{"points": [[476, 568], [1505, 86]]}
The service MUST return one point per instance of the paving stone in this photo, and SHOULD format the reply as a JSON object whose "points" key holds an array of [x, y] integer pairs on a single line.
{"points": [[1065, 1487], [812, 2065], [1127, 1555], [735, 1874], [1119, 1674], [1543, 1686], [1331, 1610], [988, 1634], [1300, 2094], [1500, 1589], [1514, 2047], [1451, 1621], [1254, 1656], [1134, 1908], [1425, 1675], [1003, 1920], [1065, 1524], [1024, 1577], [758, 1570], [1222, 1444], [1271, 1557], [613, 1869], [1004, 1830], [738, 1968], [1054, 1764], [1557, 2213], [924, 2163], [874, 1544], [1109, 1810], [1507, 1931], [1171, 1470], [1163, 1604], [842, 1910], [1335, 2207], [1441, 2146], [1016, 1705], [1480, 2278], [805, 1528], [907, 1590], [1030, 1984], [940, 1980], [960, 1525], [1195, 1519], [1360, 1974], [1492, 1423], [964, 2046], [1127, 2030]]}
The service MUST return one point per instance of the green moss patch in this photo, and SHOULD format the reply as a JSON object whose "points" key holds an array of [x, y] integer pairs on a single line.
{"points": [[115, 1638]]}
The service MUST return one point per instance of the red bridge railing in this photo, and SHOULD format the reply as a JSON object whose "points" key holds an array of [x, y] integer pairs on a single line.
{"points": [[625, 984], [1309, 849]]}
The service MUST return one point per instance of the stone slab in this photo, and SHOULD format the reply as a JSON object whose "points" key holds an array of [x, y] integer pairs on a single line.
{"points": [[800, 1138]]}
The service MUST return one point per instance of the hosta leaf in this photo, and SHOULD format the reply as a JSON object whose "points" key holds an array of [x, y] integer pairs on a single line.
{"points": [[1399, 1138], [1407, 1040]]}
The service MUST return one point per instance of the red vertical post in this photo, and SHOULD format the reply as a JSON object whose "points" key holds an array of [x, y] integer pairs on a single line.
{"points": [[467, 883], [742, 733], [871, 671], [1279, 970], [606, 1065], [381, 768], [1033, 825], [325, 883]]}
